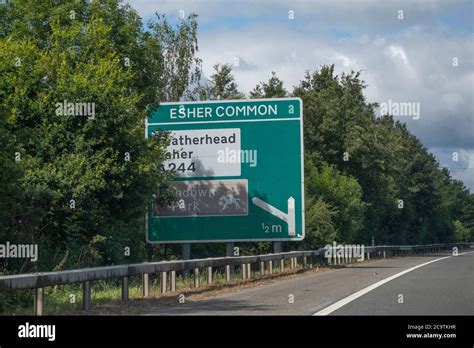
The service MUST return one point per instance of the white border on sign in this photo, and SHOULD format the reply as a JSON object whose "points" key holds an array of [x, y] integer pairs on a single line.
{"points": [[300, 118]]}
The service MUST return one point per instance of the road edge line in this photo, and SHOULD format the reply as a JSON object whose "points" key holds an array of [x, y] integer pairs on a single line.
{"points": [[335, 306]]}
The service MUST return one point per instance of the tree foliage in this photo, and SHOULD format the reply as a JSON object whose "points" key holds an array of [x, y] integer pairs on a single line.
{"points": [[81, 182], [271, 89], [405, 196], [221, 86], [343, 193], [78, 184], [320, 224]]}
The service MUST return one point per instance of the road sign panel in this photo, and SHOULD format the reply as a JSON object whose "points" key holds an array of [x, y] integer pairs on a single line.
{"points": [[238, 167]]}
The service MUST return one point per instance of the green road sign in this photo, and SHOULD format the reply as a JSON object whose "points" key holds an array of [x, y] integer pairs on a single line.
{"points": [[238, 168]]}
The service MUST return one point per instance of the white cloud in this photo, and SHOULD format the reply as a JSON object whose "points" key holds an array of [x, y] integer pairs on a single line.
{"points": [[397, 52]]}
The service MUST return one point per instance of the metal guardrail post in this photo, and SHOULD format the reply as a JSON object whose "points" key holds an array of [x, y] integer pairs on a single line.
{"points": [[209, 275], [282, 265], [227, 273], [146, 285], [173, 281], [86, 295], [262, 268], [163, 285], [249, 271], [270, 267], [125, 289], [196, 277], [305, 262], [38, 310], [243, 271]]}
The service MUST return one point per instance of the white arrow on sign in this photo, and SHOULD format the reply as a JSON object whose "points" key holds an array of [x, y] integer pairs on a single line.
{"points": [[288, 218]]}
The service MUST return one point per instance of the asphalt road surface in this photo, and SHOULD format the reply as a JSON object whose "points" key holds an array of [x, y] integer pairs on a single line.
{"points": [[435, 284]]}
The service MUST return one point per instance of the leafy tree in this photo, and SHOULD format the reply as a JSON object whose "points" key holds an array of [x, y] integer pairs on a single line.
{"points": [[319, 221], [171, 57], [221, 86], [271, 89], [462, 233], [9, 172], [341, 192], [83, 182], [407, 198], [467, 212], [339, 130]]}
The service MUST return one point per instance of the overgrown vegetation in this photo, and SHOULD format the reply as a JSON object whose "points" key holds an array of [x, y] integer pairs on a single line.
{"points": [[78, 186]]}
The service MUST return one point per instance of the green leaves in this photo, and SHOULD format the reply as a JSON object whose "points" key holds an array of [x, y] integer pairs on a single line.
{"points": [[173, 52], [81, 175], [271, 89], [221, 86], [364, 166], [462, 233], [320, 225], [341, 192]]}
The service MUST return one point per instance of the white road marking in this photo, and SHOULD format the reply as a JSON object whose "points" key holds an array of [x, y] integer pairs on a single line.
{"points": [[356, 295]]}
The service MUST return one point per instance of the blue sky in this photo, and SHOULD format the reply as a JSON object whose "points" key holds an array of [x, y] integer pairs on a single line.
{"points": [[405, 60]]}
